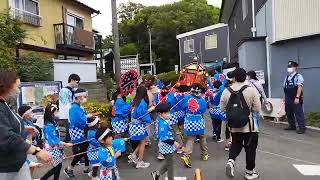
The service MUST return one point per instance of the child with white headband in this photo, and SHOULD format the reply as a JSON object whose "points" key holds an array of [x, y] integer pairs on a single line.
{"points": [[107, 155], [93, 149]]}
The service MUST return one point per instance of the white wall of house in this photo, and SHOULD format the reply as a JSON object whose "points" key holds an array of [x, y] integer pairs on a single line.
{"points": [[87, 70]]}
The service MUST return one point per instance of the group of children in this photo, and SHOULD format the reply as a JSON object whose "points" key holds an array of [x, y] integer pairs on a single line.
{"points": [[178, 123]]}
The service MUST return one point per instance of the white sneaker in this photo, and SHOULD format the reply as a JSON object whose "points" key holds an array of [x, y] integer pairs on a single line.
{"points": [[219, 140], [160, 157], [180, 150], [132, 158], [142, 164], [230, 168], [251, 175]]}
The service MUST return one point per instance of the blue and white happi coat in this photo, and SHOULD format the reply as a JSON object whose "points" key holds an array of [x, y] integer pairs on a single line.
{"points": [[214, 101], [194, 123], [78, 121], [164, 132], [177, 112], [121, 111], [140, 118], [93, 149], [108, 170], [53, 143]]}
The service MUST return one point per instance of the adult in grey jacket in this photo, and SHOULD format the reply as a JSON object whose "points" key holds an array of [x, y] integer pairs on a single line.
{"points": [[13, 148]]}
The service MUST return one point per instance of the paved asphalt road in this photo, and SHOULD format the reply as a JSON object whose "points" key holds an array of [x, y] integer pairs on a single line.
{"points": [[277, 152]]}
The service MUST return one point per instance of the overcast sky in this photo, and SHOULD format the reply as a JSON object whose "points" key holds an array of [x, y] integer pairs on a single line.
{"points": [[102, 22]]}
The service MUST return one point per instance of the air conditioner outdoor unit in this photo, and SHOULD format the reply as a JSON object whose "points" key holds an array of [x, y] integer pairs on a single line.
{"points": [[276, 110]]}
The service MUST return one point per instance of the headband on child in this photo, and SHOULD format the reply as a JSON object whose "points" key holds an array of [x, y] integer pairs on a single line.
{"points": [[81, 94], [27, 112], [104, 134], [93, 123], [53, 106]]}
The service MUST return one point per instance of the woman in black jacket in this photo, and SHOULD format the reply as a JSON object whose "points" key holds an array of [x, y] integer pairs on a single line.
{"points": [[13, 148]]}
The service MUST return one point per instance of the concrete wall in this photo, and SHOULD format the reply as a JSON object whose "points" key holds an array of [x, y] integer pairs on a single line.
{"points": [[85, 69], [252, 56], [306, 52], [206, 55]]}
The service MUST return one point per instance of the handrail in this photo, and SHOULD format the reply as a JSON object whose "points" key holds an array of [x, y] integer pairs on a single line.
{"points": [[70, 35]]}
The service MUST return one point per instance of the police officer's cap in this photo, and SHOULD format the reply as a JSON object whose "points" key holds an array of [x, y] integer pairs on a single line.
{"points": [[292, 64]]}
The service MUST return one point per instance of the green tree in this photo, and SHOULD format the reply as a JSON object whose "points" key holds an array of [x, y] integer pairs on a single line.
{"points": [[165, 22], [107, 42], [128, 49], [11, 34]]}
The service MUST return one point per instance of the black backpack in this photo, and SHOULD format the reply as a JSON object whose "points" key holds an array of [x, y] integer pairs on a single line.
{"points": [[237, 110]]}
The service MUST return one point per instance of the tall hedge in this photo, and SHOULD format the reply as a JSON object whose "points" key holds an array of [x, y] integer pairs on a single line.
{"points": [[33, 68]]}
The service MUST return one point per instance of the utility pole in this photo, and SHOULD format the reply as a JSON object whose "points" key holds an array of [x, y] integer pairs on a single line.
{"points": [[115, 33], [150, 49]]}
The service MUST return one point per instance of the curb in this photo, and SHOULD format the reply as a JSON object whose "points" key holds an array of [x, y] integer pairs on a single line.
{"points": [[284, 124]]}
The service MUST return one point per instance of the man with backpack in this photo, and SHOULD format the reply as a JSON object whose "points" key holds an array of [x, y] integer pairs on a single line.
{"points": [[66, 97], [239, 101]]}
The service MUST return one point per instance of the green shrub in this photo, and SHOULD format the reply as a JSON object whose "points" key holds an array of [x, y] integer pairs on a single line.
{"points": [[313, 119], [104, 110], [11, 34], [33, 68], [169, 76]]}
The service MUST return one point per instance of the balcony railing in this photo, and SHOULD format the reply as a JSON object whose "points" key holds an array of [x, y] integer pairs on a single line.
{"points": [[66, 35], [26, 17]]}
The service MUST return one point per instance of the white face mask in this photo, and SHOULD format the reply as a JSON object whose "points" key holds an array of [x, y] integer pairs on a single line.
{"points": [[290, 70]]}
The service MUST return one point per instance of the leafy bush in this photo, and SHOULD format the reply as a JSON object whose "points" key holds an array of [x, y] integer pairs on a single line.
{"points": [[313, 119], [103, 109], [33, 68], [169, 76], [11, 35]]}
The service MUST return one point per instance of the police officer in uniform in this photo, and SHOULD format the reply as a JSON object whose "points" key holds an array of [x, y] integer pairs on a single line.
{"points": [[293, 91]]}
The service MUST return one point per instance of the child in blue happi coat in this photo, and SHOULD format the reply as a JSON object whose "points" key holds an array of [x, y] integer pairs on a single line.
{"points": [[120, 111], [31, 133], [140, 119], [93, 149], [194, 125], [162, 97], [107, 155], [177, 113], [216, 114], [166, 141], [53, 144], [217, 75], [78, 121]]}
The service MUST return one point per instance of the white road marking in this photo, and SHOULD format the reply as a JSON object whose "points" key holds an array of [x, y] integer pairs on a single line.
{"points": [[178, 178], [308, 170], [287, 157]]}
